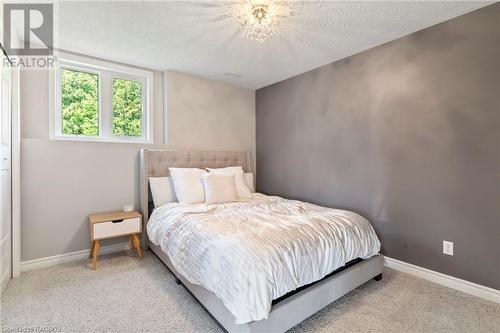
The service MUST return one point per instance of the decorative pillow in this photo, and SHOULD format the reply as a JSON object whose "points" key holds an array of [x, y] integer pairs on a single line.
{"points": [[188, 184], [242, 190], [219, 188], [249, 181], [162, 190]]}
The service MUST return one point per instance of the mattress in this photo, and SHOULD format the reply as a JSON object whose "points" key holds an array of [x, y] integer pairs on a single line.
{"points": [[249, 253]]}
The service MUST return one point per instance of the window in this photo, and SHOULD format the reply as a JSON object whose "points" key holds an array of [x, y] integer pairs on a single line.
{"points": [[99, 101]]}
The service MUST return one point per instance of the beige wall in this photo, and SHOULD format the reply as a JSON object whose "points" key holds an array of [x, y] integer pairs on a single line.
{"points": [[205, 114], [63, 181]]}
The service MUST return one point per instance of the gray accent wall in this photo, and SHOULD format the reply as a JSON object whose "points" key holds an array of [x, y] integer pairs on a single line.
{"points": [[408, 135], [64, 181]]}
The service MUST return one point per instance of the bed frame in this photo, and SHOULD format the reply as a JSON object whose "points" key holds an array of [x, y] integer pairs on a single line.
{"points": [[287, 311]]}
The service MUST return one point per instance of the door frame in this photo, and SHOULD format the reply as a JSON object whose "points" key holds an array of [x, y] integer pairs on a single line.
{"points": [[16, 169]]}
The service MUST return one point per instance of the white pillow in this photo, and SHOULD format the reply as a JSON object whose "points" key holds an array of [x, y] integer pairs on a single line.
{"points": [[162, 190], [242, 190], [219, 188], [249, 181], [188, 184]]}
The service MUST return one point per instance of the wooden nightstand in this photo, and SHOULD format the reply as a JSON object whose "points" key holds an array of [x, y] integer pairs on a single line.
{"points": [[114, 224]]}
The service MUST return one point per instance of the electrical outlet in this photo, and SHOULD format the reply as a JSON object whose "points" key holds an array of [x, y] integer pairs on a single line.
{"points": [[448, 248]]}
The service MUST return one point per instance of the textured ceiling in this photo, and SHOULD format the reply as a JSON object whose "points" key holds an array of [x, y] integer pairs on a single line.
{"points": [[203, 38]]}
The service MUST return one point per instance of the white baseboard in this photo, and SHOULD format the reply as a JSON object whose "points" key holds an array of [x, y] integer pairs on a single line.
{"points": [[445, 280], [71, 256]]}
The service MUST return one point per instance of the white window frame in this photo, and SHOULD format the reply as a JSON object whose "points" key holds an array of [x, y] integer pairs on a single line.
{"points": [[106, 72]]}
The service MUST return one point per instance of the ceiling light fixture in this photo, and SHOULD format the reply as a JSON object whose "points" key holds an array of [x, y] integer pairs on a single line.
{"points": [[260, 20]]}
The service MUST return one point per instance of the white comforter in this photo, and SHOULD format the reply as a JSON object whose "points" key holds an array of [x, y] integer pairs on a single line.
{"points": [[249, 253]]}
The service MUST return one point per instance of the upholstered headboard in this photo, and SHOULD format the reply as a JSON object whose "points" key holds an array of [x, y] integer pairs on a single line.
{"points": [[155, 163]]}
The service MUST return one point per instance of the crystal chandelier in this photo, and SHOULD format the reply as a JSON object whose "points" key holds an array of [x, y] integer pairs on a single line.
{"points": [[260, 20]]}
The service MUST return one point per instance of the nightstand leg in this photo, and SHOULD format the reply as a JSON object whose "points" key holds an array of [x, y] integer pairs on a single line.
{"points": [[91, 252], [95, 254], [137, 245], [132, 243]]}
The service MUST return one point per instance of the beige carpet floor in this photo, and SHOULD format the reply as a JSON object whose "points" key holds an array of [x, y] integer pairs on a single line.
{"points": [[130, 295]]}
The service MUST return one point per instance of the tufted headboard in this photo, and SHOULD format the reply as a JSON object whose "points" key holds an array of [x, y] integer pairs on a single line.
{"points": [[155, 163]]}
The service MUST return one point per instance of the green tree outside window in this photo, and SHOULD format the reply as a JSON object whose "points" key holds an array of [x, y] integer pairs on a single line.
{"points": [[80, 103], [127, 108]]}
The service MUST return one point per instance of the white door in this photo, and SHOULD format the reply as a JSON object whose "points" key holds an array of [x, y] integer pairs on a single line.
{"points": [[5, 176]]}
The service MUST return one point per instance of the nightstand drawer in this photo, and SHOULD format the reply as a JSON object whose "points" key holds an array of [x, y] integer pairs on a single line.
{"points": [[112, 229]]}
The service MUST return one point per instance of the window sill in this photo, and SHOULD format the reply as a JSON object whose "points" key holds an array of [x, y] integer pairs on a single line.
{"points": [[98, 139]]}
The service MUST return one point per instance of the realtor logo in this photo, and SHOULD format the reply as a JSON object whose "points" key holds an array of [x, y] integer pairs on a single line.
{"points": [[34, 22]]}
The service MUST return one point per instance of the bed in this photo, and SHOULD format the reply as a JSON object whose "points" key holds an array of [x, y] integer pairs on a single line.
{"points": [[239, 271]]}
